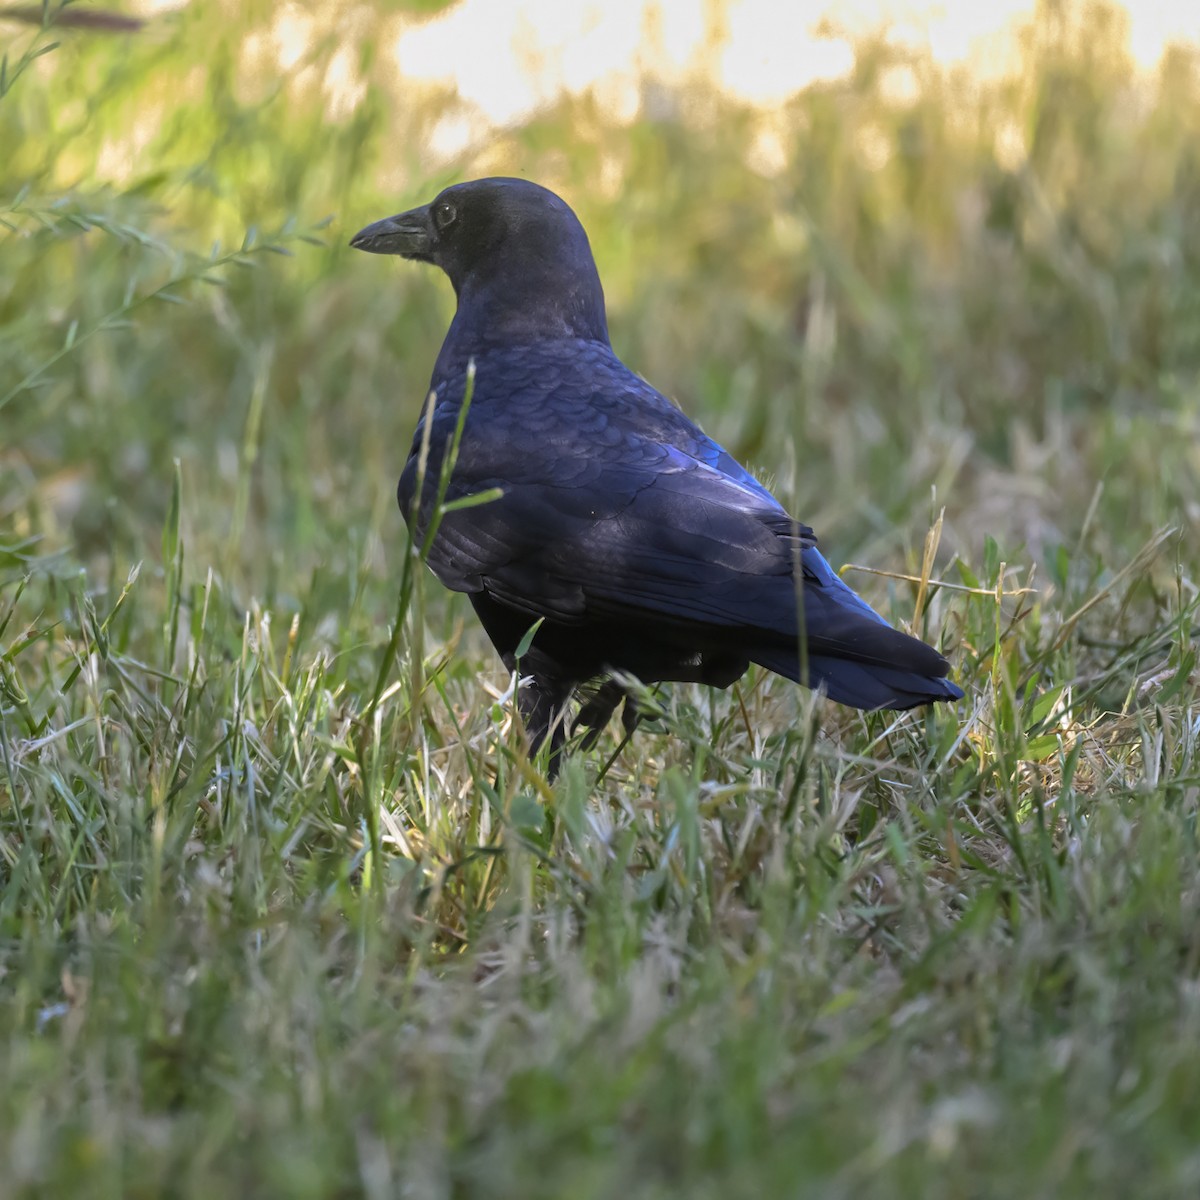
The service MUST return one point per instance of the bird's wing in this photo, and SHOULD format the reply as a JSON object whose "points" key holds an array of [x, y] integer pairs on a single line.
{"points": [[652, 532], [614, 505]]}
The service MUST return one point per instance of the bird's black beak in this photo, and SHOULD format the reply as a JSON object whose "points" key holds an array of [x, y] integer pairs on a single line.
{"points": [[410, 235]]}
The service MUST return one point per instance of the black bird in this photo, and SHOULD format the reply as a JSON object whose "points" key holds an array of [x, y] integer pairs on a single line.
{"points": [[641, 545]]}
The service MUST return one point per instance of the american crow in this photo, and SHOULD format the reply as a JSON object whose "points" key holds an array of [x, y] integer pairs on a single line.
{"points": [[641, 545]]}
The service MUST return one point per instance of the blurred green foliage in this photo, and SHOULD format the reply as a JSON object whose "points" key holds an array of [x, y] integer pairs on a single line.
{"points": [[982, 258], [283, 912]]}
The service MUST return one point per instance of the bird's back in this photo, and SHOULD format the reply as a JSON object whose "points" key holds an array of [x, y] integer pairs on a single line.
{"points": [[561, 409]]}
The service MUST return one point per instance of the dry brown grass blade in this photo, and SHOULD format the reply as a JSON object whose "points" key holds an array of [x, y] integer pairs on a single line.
{"points": [[73, 18], [932, 540], [937, 584]]}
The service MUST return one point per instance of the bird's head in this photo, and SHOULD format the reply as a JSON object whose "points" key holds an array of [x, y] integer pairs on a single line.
{"points": [[516, 254]]}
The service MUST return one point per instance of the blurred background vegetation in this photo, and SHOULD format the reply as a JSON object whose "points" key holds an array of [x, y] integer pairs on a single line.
{"points": [[911, 286], [924, 277]]}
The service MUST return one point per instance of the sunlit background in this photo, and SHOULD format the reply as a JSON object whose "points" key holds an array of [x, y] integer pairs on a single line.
{"points": [[493, 64], [505, 60]]}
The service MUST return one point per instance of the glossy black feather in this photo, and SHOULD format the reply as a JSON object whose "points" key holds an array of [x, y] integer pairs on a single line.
{"points": [[643, 546]]}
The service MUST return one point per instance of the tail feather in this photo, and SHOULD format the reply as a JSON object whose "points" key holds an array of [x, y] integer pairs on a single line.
{"points": [[869, 683]]}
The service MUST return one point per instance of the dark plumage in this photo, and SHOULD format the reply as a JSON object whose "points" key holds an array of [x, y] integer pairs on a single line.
{"points": [[643, 546]]}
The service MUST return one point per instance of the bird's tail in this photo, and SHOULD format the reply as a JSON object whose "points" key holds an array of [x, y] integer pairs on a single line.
{"points": [[881, 668]]}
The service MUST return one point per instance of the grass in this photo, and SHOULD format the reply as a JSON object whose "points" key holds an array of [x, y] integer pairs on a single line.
{"points": [[284, 910]]}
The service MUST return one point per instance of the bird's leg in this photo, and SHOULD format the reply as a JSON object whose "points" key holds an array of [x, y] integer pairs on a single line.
{"points": [[631, 714], [542, 704], [596, 713]]}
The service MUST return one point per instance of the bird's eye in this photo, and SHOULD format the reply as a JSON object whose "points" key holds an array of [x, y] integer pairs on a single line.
{"points": [[444, 215]]}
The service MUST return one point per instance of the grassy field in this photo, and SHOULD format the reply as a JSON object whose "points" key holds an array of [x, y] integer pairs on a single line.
{"points": [[285, 911]]}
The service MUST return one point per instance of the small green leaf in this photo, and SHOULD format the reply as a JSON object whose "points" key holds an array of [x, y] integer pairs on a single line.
{"points": [[966, 574], [527, 641], [1062, 566], [526, 812], [1043, 706], [991, 558], [472, 501], [1039, 749]]}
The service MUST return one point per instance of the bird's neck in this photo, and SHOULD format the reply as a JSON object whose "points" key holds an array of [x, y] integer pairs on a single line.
{"points": [[538, 304]]}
